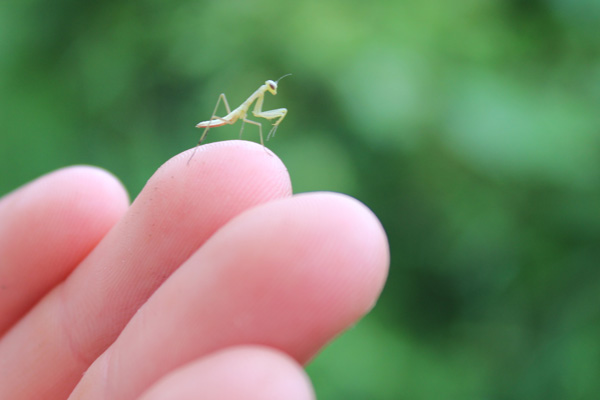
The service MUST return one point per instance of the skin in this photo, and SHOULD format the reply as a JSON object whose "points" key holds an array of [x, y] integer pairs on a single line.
{"points": [[216, 283]]}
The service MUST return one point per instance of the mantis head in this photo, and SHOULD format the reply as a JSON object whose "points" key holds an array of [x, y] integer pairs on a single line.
{"points": [[272, 85]]}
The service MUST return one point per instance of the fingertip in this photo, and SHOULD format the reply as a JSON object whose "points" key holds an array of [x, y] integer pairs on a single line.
{"points": [[62, 216], [316, 263], [363, 234], [99, 189], [355, 245], [232, 156], [340, 233], [248, 372], [83, 202], [90, 199], [226, 146], [243, 172]]}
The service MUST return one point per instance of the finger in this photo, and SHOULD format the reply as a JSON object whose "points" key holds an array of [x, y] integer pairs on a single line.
{"points": [[48, 227], [290, 274], [179, 208], [250, 373]]}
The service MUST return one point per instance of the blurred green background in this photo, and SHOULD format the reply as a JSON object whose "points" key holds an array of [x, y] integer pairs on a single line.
{"points": [[471, 128]]}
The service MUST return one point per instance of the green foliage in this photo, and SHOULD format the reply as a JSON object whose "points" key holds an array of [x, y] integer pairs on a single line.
{"points": [[471, 128]]}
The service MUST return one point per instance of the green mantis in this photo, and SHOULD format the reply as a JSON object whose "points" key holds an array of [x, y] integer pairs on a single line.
{"points": [[242, 112]]}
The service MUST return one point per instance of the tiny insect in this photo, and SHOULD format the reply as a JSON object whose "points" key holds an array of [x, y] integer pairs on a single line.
{"points": [[242, 111]]}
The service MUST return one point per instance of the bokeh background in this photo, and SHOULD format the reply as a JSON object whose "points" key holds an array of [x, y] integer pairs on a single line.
{"points": [[471, 128]]}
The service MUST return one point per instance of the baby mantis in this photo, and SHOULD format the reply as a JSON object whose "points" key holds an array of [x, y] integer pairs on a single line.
{"points": [[242, 111]]}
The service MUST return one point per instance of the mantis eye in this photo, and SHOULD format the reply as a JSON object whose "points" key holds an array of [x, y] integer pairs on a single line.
{"points": [[272, 85]]}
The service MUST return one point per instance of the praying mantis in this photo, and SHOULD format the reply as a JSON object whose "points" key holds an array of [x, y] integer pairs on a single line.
{"points": [[242, 111]]}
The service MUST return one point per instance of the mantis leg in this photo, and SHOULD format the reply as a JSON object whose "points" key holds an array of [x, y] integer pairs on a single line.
{"points": [[214, 117], [272, 114], [278, 113], [242, 128], [259, 129]]}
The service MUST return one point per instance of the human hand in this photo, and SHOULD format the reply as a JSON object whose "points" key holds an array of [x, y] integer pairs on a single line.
{"points": [[215, 283]]}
